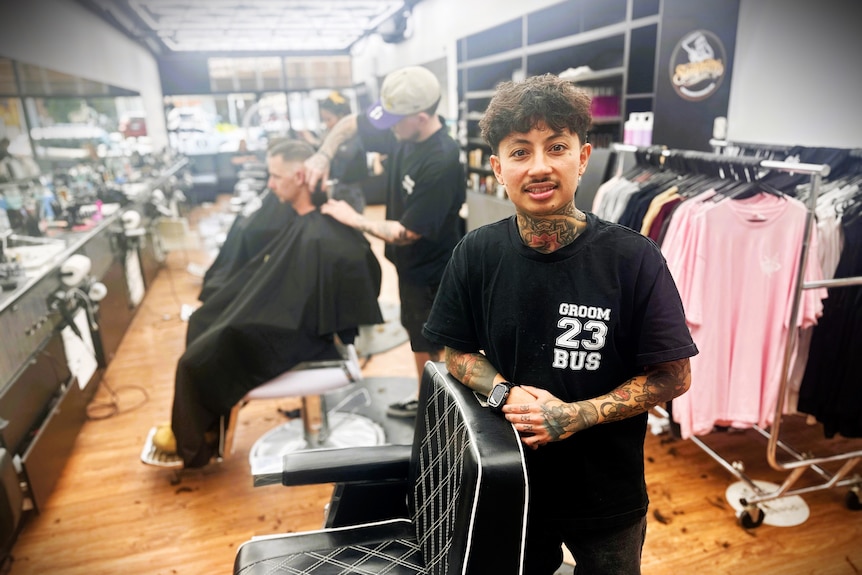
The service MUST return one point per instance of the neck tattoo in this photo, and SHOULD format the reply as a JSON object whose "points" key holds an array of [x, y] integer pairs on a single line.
{"points": [[549, 233]]}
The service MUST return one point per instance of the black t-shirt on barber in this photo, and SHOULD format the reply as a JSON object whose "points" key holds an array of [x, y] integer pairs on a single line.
{"points": [[426, 187]]}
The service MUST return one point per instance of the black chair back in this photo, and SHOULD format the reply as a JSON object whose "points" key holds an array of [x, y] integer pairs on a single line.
{"points": [[468, 475]]}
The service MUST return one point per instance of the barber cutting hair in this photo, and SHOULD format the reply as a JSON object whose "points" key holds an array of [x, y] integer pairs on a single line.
{"points": [[425, 189]]}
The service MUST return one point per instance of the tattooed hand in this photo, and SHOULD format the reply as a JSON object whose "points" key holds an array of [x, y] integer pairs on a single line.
{"points": [[546, 418], [549, 419]]}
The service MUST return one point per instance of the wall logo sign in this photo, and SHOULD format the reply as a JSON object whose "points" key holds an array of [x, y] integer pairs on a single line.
{"points": [[697, 65]]}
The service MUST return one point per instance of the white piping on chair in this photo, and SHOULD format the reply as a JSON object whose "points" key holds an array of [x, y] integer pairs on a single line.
{"points": [[526, 499], [475, 504], [324, 530]]}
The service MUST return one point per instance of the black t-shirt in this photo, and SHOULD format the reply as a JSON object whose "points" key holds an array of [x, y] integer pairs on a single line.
{"points": [[426, 187], [830, 388], [577, 322]]}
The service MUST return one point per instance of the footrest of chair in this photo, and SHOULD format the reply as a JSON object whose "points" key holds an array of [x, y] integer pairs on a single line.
{"points": [[152, 455]]}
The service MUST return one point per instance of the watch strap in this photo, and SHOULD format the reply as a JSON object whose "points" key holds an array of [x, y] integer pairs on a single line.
{"points": [[509, 385]]}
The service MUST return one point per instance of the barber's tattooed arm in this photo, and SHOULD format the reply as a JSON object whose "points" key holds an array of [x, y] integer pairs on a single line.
{"points": [[472, 369], [342, 131], [390, 231], [550, 419], [317, 166]]}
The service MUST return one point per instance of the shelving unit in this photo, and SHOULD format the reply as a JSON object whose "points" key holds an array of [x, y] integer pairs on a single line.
{"points": [[609, 47]]}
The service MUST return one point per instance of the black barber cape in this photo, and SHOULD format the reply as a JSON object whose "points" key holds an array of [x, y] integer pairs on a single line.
{"points": [[316, 278], [248, 235]]}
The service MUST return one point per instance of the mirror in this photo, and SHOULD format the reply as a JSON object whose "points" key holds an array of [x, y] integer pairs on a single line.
{"points": [[54, 120]]}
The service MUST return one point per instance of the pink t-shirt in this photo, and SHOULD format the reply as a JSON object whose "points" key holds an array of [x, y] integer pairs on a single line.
{"points": [[678, 245], [737, 272]]}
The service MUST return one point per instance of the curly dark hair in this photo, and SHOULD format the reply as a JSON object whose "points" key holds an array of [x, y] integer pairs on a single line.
{"points": [[520, 106]]}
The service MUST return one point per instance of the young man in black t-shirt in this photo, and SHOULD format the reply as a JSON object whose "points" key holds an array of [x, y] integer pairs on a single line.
{"points": [[426, 188], [572, 326]]}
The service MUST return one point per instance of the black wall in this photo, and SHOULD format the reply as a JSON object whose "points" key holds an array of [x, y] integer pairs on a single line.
{"points": [[681, 122]]}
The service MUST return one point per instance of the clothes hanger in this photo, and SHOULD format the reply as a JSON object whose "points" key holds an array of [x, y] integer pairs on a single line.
{"points": [[735, 177], [690, 178], [853, 212]]}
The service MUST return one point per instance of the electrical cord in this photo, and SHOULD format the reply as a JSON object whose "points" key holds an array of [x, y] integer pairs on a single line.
{"points": [[105, 409], [91, 311], [98, 410], [166, 316]]}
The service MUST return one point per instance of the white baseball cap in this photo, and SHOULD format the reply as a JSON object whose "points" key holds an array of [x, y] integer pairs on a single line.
{"points": [[404, 92]]}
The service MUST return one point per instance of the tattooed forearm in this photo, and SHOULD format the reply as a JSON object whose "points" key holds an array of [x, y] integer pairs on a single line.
{"points": [[390, 231], [472, 369], [659, 383], [614, 411], [340, 133]]}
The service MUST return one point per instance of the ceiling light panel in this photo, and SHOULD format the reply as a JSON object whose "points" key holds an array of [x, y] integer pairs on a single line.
{"points": [[263, 25]]}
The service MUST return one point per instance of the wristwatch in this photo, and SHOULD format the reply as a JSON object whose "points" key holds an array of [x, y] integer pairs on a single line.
{"points": [[498, 396]]}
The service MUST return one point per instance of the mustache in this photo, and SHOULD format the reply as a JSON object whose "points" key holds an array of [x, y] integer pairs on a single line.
{"points": [[536, 181]]}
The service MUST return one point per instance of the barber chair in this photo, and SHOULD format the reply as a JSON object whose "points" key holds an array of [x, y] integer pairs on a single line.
{"points": [[317, 427], [466, 499]]}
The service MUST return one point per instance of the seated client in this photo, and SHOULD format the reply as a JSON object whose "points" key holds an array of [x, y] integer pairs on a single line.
{"points": [[250, 232], [315, 279]]}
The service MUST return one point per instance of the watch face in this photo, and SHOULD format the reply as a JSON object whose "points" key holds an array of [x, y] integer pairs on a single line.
{"points": [[498, 396]]}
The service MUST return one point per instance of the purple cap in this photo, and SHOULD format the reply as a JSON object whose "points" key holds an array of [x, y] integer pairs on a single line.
{"points": [[404, 92]]}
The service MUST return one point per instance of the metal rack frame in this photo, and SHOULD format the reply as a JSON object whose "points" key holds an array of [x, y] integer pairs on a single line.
{"points": [[751, 515]]}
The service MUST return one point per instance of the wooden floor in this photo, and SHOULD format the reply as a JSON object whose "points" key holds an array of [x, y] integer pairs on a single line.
{"points": [[109, 513]]}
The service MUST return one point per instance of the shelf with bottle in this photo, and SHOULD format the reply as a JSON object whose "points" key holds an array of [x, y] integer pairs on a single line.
{"points": [[604, 88], [483, 182], [477, 161]]}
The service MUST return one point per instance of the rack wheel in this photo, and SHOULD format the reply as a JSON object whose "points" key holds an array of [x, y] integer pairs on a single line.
{"points": [[750, 517], [852, 499]]}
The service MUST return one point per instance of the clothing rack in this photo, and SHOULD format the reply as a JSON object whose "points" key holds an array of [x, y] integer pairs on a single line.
{"points": [[751, 515], [722, 146], [620, 158]]}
